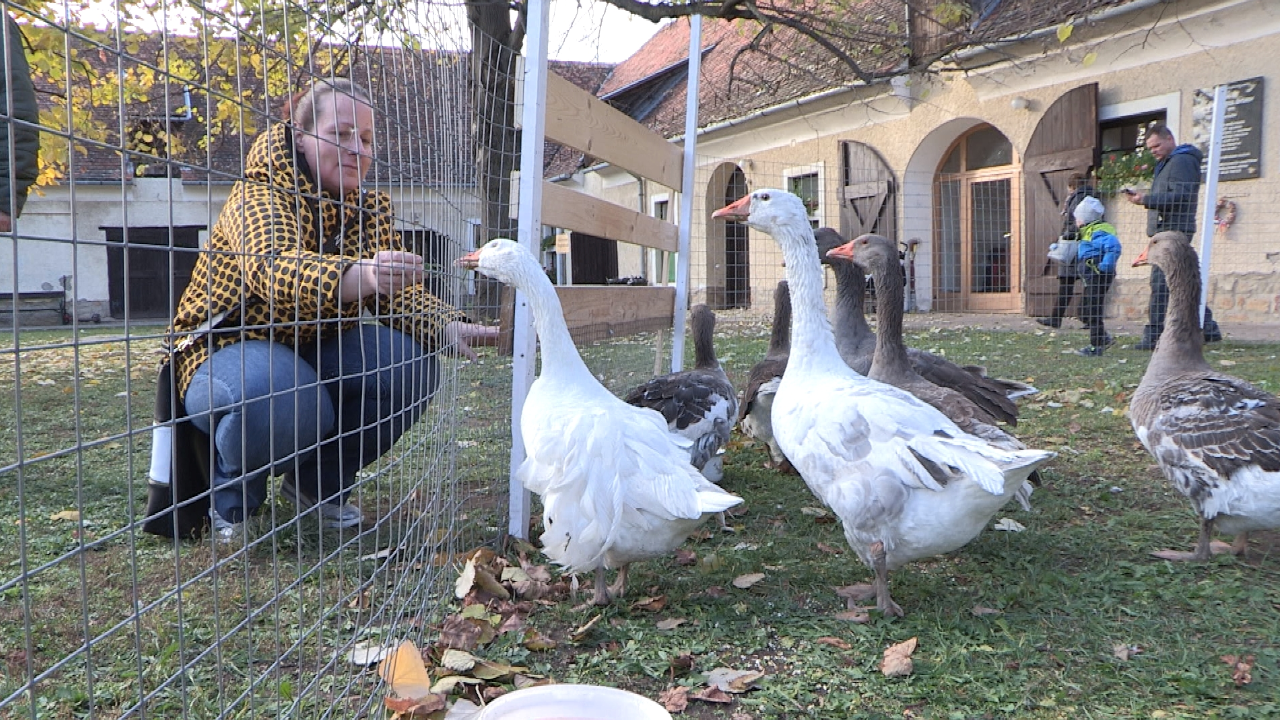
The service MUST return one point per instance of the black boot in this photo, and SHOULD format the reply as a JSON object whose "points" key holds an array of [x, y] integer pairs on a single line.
{"points": [[1149, 337]]}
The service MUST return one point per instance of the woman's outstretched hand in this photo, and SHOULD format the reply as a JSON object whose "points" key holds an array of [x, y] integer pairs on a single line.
{"points": [[462, 335], [386, 273]]}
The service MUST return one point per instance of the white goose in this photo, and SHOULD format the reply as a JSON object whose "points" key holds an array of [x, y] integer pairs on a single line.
{"points": [[698, 404], [616, 487], [1215, 437], [904, 480]]}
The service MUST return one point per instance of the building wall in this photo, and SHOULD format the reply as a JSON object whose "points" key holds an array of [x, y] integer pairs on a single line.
{"points": [[59, 233], [1155, 56]]}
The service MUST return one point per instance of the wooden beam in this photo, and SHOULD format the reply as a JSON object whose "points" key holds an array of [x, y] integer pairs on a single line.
{"points": [[595, 312], [581, 120], [572, 210]]}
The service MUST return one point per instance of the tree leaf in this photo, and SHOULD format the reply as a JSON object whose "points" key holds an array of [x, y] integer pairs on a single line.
{"points": [[1089, 59], [72, 515], [897, 659], [1064, 31], [457, 660], [581, 633], [537, 642], [670, 623], [465, 580], [405, 672], [650, 604], [488, 670], [711, 694], [674, 699], [834, 642], [366, 654], [742, 582], [734, 681]]}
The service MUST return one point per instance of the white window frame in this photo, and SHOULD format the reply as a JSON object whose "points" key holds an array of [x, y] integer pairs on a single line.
{"points": [[1170, 103], [819, 213]]}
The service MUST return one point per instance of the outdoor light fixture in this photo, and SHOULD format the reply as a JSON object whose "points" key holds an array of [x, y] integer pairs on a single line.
{"points": [[1020, 103]]}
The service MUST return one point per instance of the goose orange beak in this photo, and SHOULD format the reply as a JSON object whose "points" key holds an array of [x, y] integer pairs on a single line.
{"points": [[738, 210], [843, 252], [1141, 259], [470, 261]]}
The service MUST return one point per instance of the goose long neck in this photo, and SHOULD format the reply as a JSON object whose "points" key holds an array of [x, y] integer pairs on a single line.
{"points": [[704, 351], [849, 314], [558, 352], [1181, 345], [811, 336], [891, 352], [780, 335]]}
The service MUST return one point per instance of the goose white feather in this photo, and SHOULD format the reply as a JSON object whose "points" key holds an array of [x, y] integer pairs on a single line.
{"points": [[615, 485], [904, 480]]}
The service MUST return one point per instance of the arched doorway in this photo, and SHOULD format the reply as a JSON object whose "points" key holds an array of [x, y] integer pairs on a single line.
{"points": [[977, 251], [728, 248]]}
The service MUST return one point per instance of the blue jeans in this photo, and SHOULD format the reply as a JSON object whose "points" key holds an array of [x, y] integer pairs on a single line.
{"points": [[320, 413]]}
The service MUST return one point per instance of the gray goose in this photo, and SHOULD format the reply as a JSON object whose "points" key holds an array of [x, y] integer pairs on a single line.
{"points": [[856, 343], [698, 404], [1215, 437], [762, 382], [890, 364]]}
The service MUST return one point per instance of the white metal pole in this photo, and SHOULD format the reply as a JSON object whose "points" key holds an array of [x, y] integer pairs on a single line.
{"points": [[686, 190], [524, 344], [1207, 213]]}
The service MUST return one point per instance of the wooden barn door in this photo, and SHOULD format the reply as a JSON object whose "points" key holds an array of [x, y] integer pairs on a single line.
{"points": [[868, 193], [1065, 142]]}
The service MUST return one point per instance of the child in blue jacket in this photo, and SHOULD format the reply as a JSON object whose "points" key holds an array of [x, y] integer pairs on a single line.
{"points": [[1096, 260]]}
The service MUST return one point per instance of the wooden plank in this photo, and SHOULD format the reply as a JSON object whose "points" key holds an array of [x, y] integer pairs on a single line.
{"points": [[566, 208], [581, 120], [594, 312]]}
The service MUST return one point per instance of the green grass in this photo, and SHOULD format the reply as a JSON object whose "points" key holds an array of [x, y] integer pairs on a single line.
{"points": [[1069, 589]]}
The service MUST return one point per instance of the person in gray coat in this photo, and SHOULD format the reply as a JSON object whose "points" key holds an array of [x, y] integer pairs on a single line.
{"points": [[17, 173], [1171, 205]]}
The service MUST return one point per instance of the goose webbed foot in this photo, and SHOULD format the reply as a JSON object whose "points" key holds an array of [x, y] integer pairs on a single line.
{"points": [[884, 603], [854, 594], [619, 586], [1240, 544], [601, 597], [1206, 547]]}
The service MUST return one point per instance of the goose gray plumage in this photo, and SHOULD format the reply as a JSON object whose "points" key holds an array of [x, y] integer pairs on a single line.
{"points": [[904, 480], [890, 363], [762, 382], [1215, 436], [857, 343], [698, 404], [616, 486]]}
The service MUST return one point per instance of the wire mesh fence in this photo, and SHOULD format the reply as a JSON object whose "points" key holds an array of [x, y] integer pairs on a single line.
{"points": [[170, 179]]}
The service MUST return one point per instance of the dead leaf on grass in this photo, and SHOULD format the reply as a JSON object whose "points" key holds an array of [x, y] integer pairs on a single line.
{"points": [[464, 709], [981, 611], [523, 681], [416, 707], [464, 633], [489, 670], [581, 633], [405, 672], [1241, 668], [674, 699], [686, 557], [742, 582], [834, 642], [1124, 651], [854, 616], [537, 642], [366, 654], [711, 694], [671, 623], [897, 659], [72, 515], [829, 549], [457, 660], [650, 604], [449, 683], [733, 681]]}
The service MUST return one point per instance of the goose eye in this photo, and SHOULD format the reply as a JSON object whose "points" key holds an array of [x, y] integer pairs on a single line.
{"points": [[764, 196]]}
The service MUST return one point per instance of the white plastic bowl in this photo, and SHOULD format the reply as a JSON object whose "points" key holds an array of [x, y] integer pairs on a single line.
{"points": [[573, 702]]}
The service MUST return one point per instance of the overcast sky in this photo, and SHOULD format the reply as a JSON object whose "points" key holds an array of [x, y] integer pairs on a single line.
{"points": [[592, 31]]}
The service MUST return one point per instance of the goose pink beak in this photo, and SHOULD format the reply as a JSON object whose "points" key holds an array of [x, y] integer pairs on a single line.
{"points": [[1141, 259], [738, 210], [470, 261], [844, 252]]}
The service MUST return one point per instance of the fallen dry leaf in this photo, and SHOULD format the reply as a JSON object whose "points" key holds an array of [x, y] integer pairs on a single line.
{"points": [[1124, 651], [457, 660], [464, 633], [981, 611], [366, 654], [897, 659], [581, 633], [448, 683], [72, 515], [1241, 668], [420, 707], [681, 664], [742, 582], [734, 681], [536, 641], [829, 549], [489, 670], [650, 604], [714, 591], [671, 623], [686, 557], [674, 699], [405, 672], [834, 642], [465, 580], [711, 694], [523, 681], [465, 710]]}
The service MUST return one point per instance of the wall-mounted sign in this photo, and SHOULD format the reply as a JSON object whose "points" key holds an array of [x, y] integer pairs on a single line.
{"points": [[1241, 129]]}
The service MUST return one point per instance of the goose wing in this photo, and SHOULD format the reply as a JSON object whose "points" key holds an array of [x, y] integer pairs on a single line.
{"points": [[763, 373], [989, 394]]}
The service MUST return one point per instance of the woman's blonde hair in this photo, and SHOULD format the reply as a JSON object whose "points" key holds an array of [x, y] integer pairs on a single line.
{"points": [[301, 109]]}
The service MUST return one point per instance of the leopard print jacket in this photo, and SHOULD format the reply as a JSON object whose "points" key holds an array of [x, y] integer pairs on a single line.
{"points": [[273, 263]]}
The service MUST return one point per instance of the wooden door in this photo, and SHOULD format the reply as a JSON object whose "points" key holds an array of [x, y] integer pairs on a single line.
{"points": [[149, 267], [868, 193], [1064, 142]]}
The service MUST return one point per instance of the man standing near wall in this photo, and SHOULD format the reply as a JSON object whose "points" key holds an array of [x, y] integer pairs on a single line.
{"points": [[1171, 205], [19, 117]]}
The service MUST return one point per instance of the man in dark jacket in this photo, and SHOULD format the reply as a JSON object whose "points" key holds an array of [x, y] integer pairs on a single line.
{"points": [[17, 173], [1171, 205]]}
